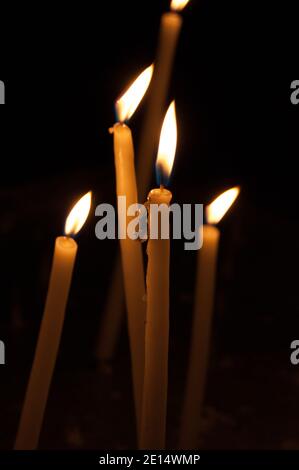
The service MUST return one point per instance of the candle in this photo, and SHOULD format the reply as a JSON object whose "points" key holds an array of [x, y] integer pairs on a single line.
{"points": [[113, 314], [202, 320], [131, 251], [51, 327], [171, 23], [154, 403]]}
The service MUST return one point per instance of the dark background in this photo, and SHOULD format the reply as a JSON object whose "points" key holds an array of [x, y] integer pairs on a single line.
{"points": [[63, 68]]}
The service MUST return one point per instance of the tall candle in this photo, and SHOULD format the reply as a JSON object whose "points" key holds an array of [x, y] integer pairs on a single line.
{"points": [[154, 404], [113, 314], [200, 338], [131, 251], [171, 23], [51, 328], [202, 321]]}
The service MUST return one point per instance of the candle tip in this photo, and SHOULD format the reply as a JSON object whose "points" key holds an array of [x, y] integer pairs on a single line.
{"points": [[167, 146], [218, 208], [178, 5], [78, 215], [126, 105]]}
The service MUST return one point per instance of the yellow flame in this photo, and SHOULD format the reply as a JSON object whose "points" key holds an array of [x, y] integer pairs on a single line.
{"points": [[178, 5], [218, 208], [168, 141], [78, 215], [129, 101]]}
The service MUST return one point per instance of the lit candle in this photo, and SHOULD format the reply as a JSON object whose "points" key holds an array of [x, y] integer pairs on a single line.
{"points": [[154, 403], [51, 328], [112, 316], [202, 320], [131, 251], [171, 23]]}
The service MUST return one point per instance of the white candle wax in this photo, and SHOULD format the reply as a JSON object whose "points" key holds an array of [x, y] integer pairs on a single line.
{"points": [[48, 344], [202, 320], [132, 260], [154, 404], [200, 340]]}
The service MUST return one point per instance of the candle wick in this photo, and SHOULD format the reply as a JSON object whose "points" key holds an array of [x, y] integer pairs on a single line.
{"points": [[162, 187]]}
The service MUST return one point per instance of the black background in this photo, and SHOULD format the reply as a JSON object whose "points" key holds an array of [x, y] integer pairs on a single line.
{"points": [[63, 67]]}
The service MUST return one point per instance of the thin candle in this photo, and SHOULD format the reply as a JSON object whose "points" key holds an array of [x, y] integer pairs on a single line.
{"points": [[131, 250], [112, 316], [154, 404], [171, 24], [51, 328], [202, 320]]}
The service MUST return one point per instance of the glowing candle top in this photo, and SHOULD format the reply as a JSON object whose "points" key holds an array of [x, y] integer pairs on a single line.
{"points": [[218, 208], [167, 146], [178, 5], [78, 215], [126, 105]]}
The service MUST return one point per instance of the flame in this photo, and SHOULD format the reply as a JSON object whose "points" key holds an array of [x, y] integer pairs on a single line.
{"points": [[129, 101], [168, 142], [178, 5], [78, 215], [218, 208]]}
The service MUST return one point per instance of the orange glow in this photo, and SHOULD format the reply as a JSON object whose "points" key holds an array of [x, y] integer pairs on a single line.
{"points": [[168, 142], [129, 101], [178, 5], [78, 215], [218, 208]]}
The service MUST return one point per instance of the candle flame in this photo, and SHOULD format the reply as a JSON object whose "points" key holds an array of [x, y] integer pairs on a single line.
{"points": [[129, 101], [178, 5], [78, 215], [168, 142], [218, 208]]}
